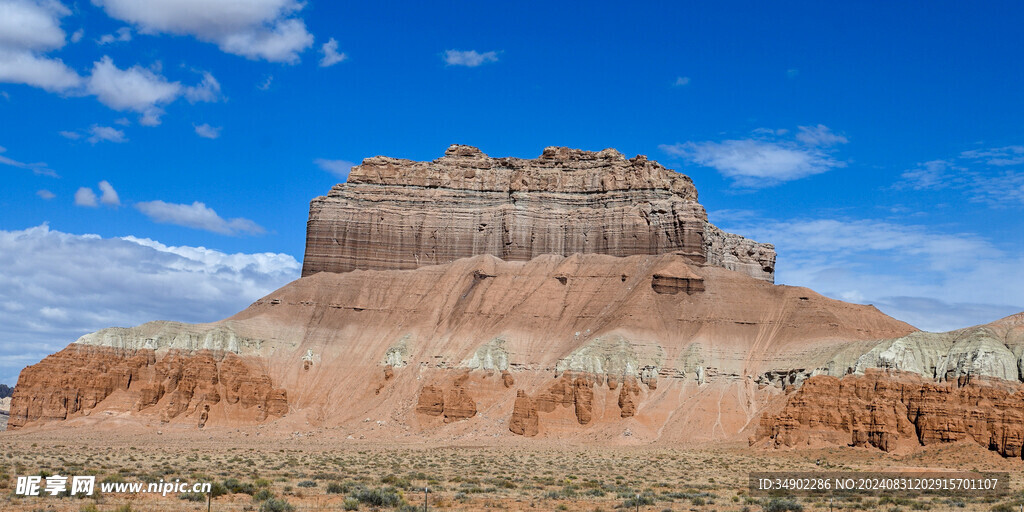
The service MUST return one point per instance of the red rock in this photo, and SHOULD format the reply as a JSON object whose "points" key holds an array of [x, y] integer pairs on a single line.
{"points": [[886, 409], [458, 405], [506, 379], [628, 397], [525, 420], [583, 398], [431, 401], [80, 377]]}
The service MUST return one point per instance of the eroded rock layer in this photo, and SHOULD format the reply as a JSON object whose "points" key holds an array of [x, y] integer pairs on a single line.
{"points": [[890, 409], [168, 385], [401, 214]]}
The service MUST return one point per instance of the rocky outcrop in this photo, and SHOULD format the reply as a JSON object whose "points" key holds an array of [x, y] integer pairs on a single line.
{"points": [[891, 409], [454, 404], [992, 350], [628, 397], [525, 420], [167, 383], [401, 214]]}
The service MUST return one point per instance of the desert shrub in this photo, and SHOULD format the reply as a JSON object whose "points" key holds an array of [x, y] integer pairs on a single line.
{"points": [[783, 505], [192, 496], [237, 487], [306, 483], [262, 495], [351, 504], [644, 500], [276, 505], [337, 488], [381, 497]]}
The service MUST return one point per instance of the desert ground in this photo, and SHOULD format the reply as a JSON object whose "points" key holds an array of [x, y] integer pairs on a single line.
{"points": [[322, 470]]}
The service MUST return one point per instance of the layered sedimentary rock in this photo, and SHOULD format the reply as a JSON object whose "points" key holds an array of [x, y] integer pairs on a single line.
{"points": [[892, 409], [401, 214], [137, 370], [525, 420], [991, 350]]}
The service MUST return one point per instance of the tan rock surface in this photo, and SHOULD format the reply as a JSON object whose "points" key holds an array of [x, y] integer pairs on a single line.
{"points": [[401, 214]]}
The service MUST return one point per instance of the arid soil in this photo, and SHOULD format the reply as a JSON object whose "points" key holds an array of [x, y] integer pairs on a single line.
{"points": [[302, 467]]}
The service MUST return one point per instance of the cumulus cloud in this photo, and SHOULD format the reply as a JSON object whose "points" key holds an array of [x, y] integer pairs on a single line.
{"points": [[339, 168], [198, 216], [936, 280], [99, 133], [469, 58], [123, 34], [208, 132], [28, 30], [144, 91], [84, 196], [331, 55], [109, 197], [45, 194], [36, 168], [70, 135], [55, 287], [262, 29], [136, 89], [768, 159]]}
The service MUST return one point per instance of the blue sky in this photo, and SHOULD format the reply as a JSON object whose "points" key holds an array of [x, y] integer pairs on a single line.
{"points": [[879, 146]]}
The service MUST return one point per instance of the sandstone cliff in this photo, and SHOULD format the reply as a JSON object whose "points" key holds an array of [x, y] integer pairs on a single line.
{"points": [[401, 214]]}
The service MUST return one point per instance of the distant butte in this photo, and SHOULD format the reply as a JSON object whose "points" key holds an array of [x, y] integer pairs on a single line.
{"points": [[400, 214]]}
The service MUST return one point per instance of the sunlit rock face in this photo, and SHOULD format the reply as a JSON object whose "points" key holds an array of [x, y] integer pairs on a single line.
{"points": [[401, 214]]}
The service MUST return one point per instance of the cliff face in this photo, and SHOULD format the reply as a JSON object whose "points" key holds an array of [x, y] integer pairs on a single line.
{"points": [[890, 410], [400, 214]]}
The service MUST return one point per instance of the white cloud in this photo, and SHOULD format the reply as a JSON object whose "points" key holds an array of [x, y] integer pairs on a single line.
{"points": [[681, 81], [980, 174], [78, 35], [136, 88], [936, 280], [45, 194], [70, 135], [123, 34], [331, 55], [37, 167], [84, 196], [105, 133], [1008, 155], [767, 160], [208, 90], [265, 84], [208, 132], [29, 29], [55, 287], [819, 135], [339, 168], [197, 216], [109, 196], [257, 29], [469, 58]]}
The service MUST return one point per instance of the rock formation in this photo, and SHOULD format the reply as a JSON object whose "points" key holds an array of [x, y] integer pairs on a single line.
{"points": [[401, 214], [892, 409], [136, 369], [525, 421], [571, 295]]}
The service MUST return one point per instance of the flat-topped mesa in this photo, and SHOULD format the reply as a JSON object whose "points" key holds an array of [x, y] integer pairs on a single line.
{"points": [[397, 214]]}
